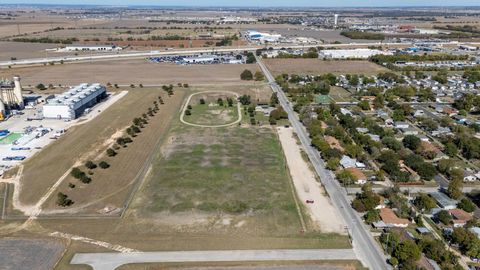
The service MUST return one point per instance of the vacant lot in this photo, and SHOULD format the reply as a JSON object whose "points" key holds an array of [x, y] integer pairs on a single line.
{"points": [[89, 141], [317, 66], [127, 72], [226, 177]]}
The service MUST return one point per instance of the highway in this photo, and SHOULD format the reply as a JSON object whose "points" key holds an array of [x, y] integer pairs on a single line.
{"points": [[143, 54], [364, 244]]}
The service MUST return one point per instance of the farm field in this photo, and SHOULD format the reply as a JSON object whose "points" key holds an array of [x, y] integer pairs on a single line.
{"points": [[317, 66], [126, 72], [89, 141]]}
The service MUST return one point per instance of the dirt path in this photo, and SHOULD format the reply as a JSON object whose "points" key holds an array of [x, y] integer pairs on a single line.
{"points": [[184, 108], [321, 212]]}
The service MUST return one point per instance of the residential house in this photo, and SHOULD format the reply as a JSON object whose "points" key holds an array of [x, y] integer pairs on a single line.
{"points": [[444, 201], [409, 131], [460, 217], [418, 113], [362, 130], [359, 176], [427, 147], [404, 168], [401, 125], [391, 219], [374, 137], [470, 176], [449, 111], [348, 162]]}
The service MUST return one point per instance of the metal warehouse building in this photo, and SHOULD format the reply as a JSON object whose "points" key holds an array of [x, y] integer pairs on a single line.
{"points": [[73, 103]]}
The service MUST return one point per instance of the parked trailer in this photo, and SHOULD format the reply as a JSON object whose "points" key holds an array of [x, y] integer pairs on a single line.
{"points": [[20, 148]]}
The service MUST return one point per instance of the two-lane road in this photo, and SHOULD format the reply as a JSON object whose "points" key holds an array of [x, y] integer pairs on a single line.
{"points": [[363, 243]]}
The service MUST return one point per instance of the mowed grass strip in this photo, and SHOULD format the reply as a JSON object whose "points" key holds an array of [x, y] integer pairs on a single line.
{"points": [[44, 169]]}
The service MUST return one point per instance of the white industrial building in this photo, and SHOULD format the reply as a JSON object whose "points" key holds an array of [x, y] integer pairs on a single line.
{"points": [[262, 37], [73, 103], [351, 53], [101, 48]]}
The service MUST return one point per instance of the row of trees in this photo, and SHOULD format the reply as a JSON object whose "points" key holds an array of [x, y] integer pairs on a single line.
{"points": [[247, 75], [77, 173]]}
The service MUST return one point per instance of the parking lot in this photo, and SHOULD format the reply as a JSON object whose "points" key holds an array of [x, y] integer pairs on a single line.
{"points": [[29, 133]]}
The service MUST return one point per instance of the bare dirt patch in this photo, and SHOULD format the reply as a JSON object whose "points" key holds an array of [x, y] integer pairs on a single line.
{"points": [[322, 212], [126, 72]]}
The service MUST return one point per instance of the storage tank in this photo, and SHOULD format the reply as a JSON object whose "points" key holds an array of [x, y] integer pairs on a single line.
{"points": [[17, 91]]}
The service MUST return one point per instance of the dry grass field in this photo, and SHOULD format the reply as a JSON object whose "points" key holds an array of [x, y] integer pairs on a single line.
{"points": [[317, 66], [130, 71], [89, 141]]}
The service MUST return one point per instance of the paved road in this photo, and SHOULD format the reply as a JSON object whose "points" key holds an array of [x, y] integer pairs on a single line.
{"points": [[363, 243], [110, 261], [119, 55]]}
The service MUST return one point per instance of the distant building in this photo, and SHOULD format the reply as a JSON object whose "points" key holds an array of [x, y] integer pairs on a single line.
{"points": [[351, 53], [90, 48]]}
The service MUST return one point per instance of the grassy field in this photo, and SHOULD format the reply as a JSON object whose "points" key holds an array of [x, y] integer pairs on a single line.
{"points": [[238, 172], [211, 112], [89, 141], [317, 66]]}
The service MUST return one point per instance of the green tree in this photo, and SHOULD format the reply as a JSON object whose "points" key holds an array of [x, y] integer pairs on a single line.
{"points": [[111, 152], [41, 86], [424, 202], [90, 165], [246, 75], [467, 205], [451, 149], [372, 216], [364, 105], [103, 165], [259, 76], [407, 251], [411, 142], [454, 189], [444, 217]]}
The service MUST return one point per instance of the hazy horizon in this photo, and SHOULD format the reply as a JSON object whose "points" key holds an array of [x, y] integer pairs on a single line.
{"points": [[253, 3]]}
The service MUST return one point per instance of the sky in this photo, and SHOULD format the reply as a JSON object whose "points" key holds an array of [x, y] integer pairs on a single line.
{"points": [[258, 3]]}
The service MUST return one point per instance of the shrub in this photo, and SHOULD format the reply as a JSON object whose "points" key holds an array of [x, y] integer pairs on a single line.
{"points": [[71, 185], [103, 165], [63, 200], [246, 75], [90, 165], [111, 152], [188, 112]]}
